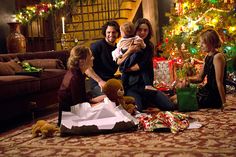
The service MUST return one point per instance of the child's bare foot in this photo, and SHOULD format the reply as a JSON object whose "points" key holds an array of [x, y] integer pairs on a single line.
{"points": [[150, 88]]}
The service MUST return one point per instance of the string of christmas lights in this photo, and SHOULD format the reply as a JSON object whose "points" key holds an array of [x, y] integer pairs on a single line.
{"points": [[42, 9], [189, 17]]}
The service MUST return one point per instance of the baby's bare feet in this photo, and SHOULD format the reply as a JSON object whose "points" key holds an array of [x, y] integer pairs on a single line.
{"points": [[150, 88]]}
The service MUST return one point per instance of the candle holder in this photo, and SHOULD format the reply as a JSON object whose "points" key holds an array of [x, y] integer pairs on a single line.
{"points": [[63, 41], [76, 41]]}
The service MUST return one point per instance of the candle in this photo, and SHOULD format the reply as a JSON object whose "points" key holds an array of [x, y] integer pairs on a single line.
{"points": [[63, 25], [13, 17]]}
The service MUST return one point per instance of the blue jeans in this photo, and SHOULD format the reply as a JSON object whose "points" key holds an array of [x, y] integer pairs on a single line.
{"points": [[94, 89], [146, 98]]}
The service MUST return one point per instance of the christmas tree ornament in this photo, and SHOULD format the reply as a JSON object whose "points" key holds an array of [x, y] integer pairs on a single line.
{"points": [[193, 50], [213, 1]]}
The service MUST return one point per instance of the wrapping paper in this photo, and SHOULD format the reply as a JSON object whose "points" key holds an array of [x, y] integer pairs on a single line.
{"points": [[173, 121], [105, 117]]}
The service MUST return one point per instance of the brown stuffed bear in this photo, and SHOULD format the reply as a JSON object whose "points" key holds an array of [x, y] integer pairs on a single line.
{"points": [[115, 92], [43, 128]]}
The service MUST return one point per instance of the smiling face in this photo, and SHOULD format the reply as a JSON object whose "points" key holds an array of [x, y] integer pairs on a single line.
{"points": [[89, 60], [80, 58], [205, 47], [209, 41], [143, 31], [111, 35]]}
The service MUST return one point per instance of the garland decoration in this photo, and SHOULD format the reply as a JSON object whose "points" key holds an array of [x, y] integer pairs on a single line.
{"points": [[43, 9]]}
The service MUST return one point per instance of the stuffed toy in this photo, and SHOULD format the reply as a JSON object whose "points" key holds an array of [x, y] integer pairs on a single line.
{"points": [[114, 90], [44, 129]]}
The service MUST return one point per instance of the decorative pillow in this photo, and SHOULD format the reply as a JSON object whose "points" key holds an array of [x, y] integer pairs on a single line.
{"points": [[5, 69], [9, 68], [46, 63], [15, 66]]}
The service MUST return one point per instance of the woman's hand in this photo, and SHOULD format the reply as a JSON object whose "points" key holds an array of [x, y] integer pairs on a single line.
{"points": [[133, 48], [182, 83], [133, 68], [97, 99], [101, 83]]}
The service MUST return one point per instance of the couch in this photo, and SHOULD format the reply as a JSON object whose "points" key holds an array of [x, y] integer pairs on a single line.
{"points": [[20, 92]]}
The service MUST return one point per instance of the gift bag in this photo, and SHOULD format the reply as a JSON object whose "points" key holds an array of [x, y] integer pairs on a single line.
{"points": [[187, 99]]}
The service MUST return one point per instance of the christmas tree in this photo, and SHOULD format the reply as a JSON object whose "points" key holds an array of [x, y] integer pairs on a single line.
{"points": [[189, 17]]}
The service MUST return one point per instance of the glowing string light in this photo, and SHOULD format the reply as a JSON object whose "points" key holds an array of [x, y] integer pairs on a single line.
{"points": [[192, 23]]}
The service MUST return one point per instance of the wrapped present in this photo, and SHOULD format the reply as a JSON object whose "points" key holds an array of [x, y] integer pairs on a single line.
{"points": [[163, 71], [164, 121]]}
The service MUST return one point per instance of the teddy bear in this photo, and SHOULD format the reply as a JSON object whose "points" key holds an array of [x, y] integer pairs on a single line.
{"points": [[114, 90], [44, 129]]}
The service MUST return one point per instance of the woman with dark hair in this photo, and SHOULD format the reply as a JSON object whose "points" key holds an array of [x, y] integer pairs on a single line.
{"points": [[135, 85]]}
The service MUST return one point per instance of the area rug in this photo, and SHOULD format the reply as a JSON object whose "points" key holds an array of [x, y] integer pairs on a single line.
{"points": [[216, 138]]}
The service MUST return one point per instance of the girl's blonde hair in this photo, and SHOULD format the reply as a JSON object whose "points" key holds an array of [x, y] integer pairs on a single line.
{"points": [[211, 37], [78, 52]]}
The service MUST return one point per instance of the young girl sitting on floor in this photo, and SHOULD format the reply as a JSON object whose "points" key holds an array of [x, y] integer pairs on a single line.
{"points": [[214, 69], [72, 90]]}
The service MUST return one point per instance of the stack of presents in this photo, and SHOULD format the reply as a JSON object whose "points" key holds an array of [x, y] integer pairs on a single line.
{"points": [[166, 75]]}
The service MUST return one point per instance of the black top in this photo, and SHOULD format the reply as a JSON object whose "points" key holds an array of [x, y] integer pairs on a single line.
{"points": [[72, 90], [145, 63], [209, 71], [103, 64], [213, 99]]}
